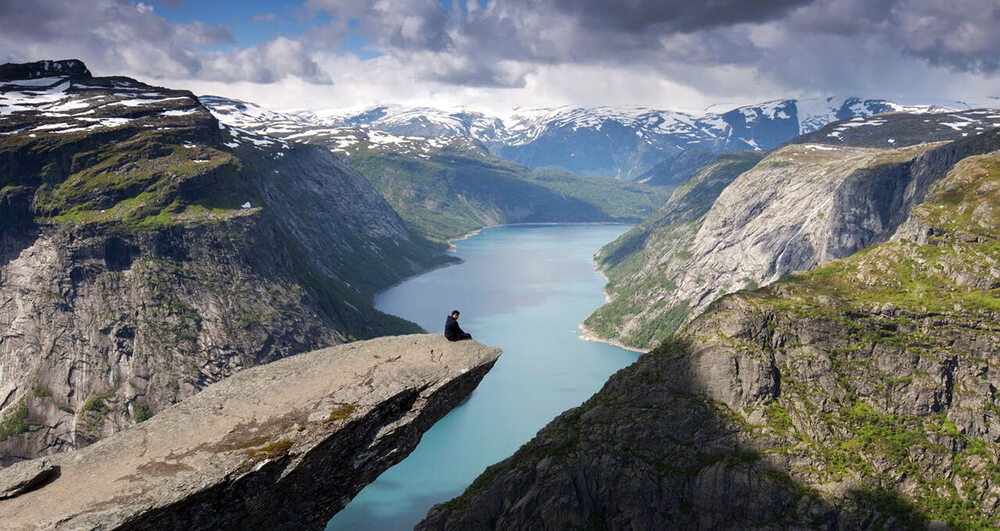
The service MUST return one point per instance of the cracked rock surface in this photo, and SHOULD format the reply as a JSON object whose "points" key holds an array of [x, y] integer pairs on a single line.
{"points": [[282, 445]]}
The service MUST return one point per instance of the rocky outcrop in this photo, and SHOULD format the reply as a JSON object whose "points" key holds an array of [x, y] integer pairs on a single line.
{"points": [[859, 395], [801, 206], [280, 446], [41, 69], [146, 251], [24, 476]]}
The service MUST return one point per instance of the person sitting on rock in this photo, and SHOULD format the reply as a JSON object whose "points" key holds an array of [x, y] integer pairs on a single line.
{"points": [[451, 329]]}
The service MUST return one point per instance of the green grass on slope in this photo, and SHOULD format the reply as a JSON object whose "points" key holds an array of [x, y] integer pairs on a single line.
{"points": [[890, 313], [449, 194], [953, 270], [145, 182], [634, 263]]}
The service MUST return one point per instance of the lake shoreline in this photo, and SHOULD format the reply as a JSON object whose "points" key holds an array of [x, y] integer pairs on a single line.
{"points": [[451, 243], [524, 289], [586, 334], [452, 249]]}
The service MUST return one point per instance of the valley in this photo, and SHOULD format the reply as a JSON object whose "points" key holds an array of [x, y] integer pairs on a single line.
{"points": [[854, 395], [812, 282]]}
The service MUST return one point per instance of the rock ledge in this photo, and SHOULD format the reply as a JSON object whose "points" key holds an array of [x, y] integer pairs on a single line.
{"points": [[282, 445]]}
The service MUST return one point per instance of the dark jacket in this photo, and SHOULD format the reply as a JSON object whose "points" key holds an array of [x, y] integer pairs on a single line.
{"points": [[451, 329]]}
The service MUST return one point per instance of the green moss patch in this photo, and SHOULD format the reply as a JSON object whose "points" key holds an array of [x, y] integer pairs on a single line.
{"points": [[14, 421], [270, 451], [342, 411]]}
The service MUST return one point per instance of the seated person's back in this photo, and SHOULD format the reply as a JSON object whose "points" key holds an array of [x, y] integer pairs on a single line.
{"points": [[451, 329]]}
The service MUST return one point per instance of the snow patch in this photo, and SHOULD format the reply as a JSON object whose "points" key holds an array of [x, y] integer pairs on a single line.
{"points": [[820, 147], [957, 126], [180, 112]]}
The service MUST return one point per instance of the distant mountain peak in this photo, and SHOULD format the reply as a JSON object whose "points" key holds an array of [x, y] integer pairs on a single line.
{"points": [[40, 69], [619, 141]]}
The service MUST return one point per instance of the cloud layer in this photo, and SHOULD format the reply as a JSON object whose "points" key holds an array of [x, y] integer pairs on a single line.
{"points": [[539, 52], [120, 36]]}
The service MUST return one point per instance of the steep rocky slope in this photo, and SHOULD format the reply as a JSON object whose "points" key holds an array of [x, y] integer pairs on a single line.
{"points": [[677, 168], [281, 446], [447, 186], [860, 395], [802, 205], [635, 264], [146, 251]]}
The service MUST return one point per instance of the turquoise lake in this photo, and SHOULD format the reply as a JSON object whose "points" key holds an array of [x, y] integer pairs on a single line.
{"points": [[524, 289]]}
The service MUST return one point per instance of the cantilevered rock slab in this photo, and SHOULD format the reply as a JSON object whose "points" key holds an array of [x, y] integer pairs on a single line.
{"points": [[283, 445]]}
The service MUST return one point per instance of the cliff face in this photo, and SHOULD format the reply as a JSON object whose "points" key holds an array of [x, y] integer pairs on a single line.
{"points": [[281, 446], [146, 252], [800, 206], [861, 394], [640, 264]]}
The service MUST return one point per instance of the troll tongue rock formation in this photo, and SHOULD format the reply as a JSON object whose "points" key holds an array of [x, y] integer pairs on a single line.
{"points": [[283, 445]]}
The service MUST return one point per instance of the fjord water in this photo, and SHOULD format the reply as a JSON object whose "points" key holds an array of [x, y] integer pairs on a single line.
{"points": [[524, 289]]}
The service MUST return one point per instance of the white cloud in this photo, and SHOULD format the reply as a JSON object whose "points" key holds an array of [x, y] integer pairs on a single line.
{"points": [[536, 52], [115, 37]]}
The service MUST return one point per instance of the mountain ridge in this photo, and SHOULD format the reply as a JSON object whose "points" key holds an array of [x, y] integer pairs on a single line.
{"points": [[448, 186], [146, 250], [576, 138], [603, 141], [822, 196]]}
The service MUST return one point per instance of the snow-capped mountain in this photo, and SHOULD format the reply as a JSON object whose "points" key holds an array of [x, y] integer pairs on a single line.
{"points": [[62, 99], [620, 142], [904, 129], [247, 120], [412, 121], [590, 141]]}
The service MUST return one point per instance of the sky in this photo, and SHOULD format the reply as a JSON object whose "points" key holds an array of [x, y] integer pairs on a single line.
{"points": [[499, 55]]}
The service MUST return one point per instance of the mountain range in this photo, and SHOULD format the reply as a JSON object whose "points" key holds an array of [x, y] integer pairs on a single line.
{"points": [[447, 186], [818, 296], [614, 142]]}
